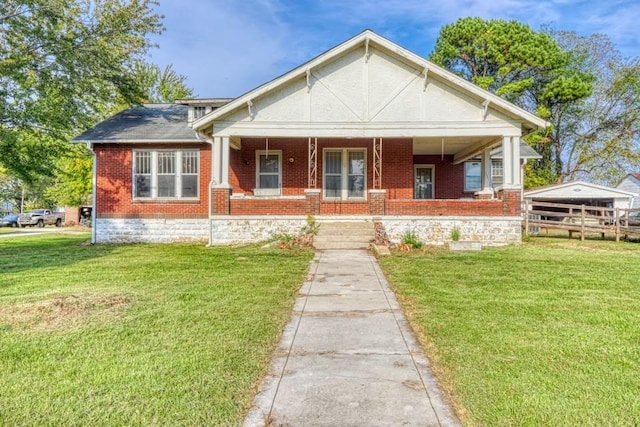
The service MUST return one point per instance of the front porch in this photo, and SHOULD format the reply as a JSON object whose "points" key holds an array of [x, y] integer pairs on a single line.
{"points": [[275, 185], [365, 177]]}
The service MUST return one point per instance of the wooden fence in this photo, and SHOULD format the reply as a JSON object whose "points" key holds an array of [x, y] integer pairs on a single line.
{"points": [[579, 218]]}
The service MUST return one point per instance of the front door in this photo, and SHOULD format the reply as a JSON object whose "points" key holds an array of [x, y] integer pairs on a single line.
{"points": [[423, 183]]}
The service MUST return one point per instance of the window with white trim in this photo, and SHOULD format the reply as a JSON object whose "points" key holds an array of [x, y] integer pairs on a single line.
{"points": [[473, 175], [345, 173], [268, 172], [166, 174], [497, 173], [199, 111]]}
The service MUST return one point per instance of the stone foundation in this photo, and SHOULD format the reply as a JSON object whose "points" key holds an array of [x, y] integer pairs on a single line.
{"points": [[251, 229], [151, 230], [490, 231]]}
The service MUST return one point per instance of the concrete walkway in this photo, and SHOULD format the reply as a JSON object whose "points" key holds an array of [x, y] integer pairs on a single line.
{"points": [[348, 357]]}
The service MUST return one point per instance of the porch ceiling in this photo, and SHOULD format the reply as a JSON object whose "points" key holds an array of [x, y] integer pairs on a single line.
{"points": [[453, 145]]}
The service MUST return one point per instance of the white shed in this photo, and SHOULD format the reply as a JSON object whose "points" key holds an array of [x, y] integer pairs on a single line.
{"points": [[582, 193]]}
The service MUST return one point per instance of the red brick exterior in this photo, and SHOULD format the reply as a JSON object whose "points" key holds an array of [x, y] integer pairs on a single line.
{"points": [[242, 174], [444, 207], [115, 170], [511, 202], [312, 198], [268, 207], [115, 192], [221, 204], [376, 202]]}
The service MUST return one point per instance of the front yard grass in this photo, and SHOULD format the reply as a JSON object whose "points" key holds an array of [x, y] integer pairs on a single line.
{"points": [[546, 333], [138, 334]]}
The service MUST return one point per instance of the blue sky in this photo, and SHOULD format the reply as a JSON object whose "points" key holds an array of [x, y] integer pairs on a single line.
{"points": [[227, 47]]}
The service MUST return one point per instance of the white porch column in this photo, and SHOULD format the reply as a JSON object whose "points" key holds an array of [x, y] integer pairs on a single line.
{"points": [[507, 161], [515, 156], [216, 161], [487, 180], [225, 162]]}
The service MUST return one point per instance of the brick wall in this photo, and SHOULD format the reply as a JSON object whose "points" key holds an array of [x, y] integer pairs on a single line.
{"points": [[511, 202], [242, 175], [344, 208], [449, 178], [115, 194], [377, 202], [397, 168], [444, 207], [221, 204], [268, 207], [115, 182]]}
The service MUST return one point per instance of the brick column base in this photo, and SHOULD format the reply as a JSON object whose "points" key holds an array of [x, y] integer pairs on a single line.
{"points": [[511, 202], [376, 201], [220, 204], [312, 196]]}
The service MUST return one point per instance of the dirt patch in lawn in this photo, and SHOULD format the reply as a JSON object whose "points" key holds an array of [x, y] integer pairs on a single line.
{"points": [[63, 312]]}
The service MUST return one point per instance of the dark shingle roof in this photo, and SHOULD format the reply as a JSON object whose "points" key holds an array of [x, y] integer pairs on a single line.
{"points": [[147, 122]]}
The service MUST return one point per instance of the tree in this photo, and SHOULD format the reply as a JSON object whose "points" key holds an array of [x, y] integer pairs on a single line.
{"points": [[22, 195], [160, 86], [524, 66], [72, 185], [598, 138], [65, 64]]}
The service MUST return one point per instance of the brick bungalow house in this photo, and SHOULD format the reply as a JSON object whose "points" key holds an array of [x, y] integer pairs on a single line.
{"points": [[365, 131]]}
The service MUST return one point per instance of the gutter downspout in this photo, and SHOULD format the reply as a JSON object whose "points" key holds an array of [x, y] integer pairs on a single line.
{"points": [[202, 137], [94, 194]]}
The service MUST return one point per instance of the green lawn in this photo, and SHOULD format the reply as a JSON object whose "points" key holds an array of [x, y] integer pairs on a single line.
{"points": [[137, 334], [543, 334]]}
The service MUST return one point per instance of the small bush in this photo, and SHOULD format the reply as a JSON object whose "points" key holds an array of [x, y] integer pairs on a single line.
{"points": [[409, 238], [455, 234]]}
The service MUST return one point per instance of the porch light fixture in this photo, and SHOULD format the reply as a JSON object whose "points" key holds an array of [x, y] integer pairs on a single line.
{"points": [[246, 161], [291, 159]]}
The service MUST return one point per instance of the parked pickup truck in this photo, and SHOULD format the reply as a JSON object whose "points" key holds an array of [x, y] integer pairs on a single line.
{"points": [[41, 217]]}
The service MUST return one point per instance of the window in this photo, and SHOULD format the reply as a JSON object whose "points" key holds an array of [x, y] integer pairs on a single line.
{"points": [[345, 174], [165, 174], [473, 175], [268, 172], [142, 174], [199, 112], [497, 174]]}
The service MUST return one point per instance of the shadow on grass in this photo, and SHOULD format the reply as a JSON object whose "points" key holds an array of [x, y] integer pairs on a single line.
{"points": [[21, 254]]}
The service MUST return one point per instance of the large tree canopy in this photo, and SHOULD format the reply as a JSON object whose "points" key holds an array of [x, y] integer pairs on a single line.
{"points": [[528, 68], [510, 59], [161, 85], [598, 138], [64, 64]]}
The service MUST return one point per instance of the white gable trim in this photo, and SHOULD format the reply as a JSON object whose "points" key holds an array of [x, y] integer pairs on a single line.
{"points": [[366, 38]]}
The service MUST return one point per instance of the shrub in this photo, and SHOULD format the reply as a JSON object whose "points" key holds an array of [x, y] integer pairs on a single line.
{"points": [[455, 234], [409, 238]]}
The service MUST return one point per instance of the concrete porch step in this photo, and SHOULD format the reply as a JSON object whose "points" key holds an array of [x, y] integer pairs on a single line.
{"points": [[344, 235], [364, 237]]}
